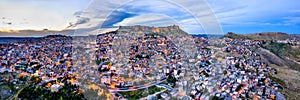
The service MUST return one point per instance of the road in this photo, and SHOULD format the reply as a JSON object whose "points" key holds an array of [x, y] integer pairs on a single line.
{"points": [[136, 87]]}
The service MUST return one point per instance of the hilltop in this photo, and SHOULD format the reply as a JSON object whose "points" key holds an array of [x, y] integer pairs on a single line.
{"points": [[235, 36], [170, 30], [270, 36], [261, 36]]}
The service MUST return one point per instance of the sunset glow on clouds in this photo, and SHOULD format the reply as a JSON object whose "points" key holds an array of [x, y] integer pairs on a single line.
{"points": [[38, 14]]}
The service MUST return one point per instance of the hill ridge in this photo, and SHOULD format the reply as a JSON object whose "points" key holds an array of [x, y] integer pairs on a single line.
{"points": [[173, 29], [261, 36]]}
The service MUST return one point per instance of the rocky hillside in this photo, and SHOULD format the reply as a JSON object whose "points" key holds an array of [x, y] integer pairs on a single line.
{"points": [[235, 36], [262, 36], [270, 36], [170, 30]]}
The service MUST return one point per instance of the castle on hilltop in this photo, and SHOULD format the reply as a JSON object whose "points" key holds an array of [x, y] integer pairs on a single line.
{"points": [[139, 28]]}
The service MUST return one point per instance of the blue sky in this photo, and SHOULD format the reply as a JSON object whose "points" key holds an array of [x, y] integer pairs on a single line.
{"points": [[196, 16]]}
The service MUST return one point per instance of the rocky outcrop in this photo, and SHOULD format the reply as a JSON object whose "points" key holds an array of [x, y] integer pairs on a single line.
{"points": [[175, 29]]}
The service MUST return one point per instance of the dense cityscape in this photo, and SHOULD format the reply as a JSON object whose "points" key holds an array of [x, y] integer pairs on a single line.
{"points": [[149, 50], [138, 62]]}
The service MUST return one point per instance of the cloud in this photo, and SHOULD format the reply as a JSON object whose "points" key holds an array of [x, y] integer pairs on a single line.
{"points": [[295, 11], [291, 20], [191, 25], [147, 20], [99, 14], [80, 20], [176, 10], [39, 14], [232, 12], [115, 17]]}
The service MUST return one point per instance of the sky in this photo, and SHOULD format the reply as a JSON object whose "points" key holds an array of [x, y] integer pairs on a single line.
{"points": [[193, 16]]}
